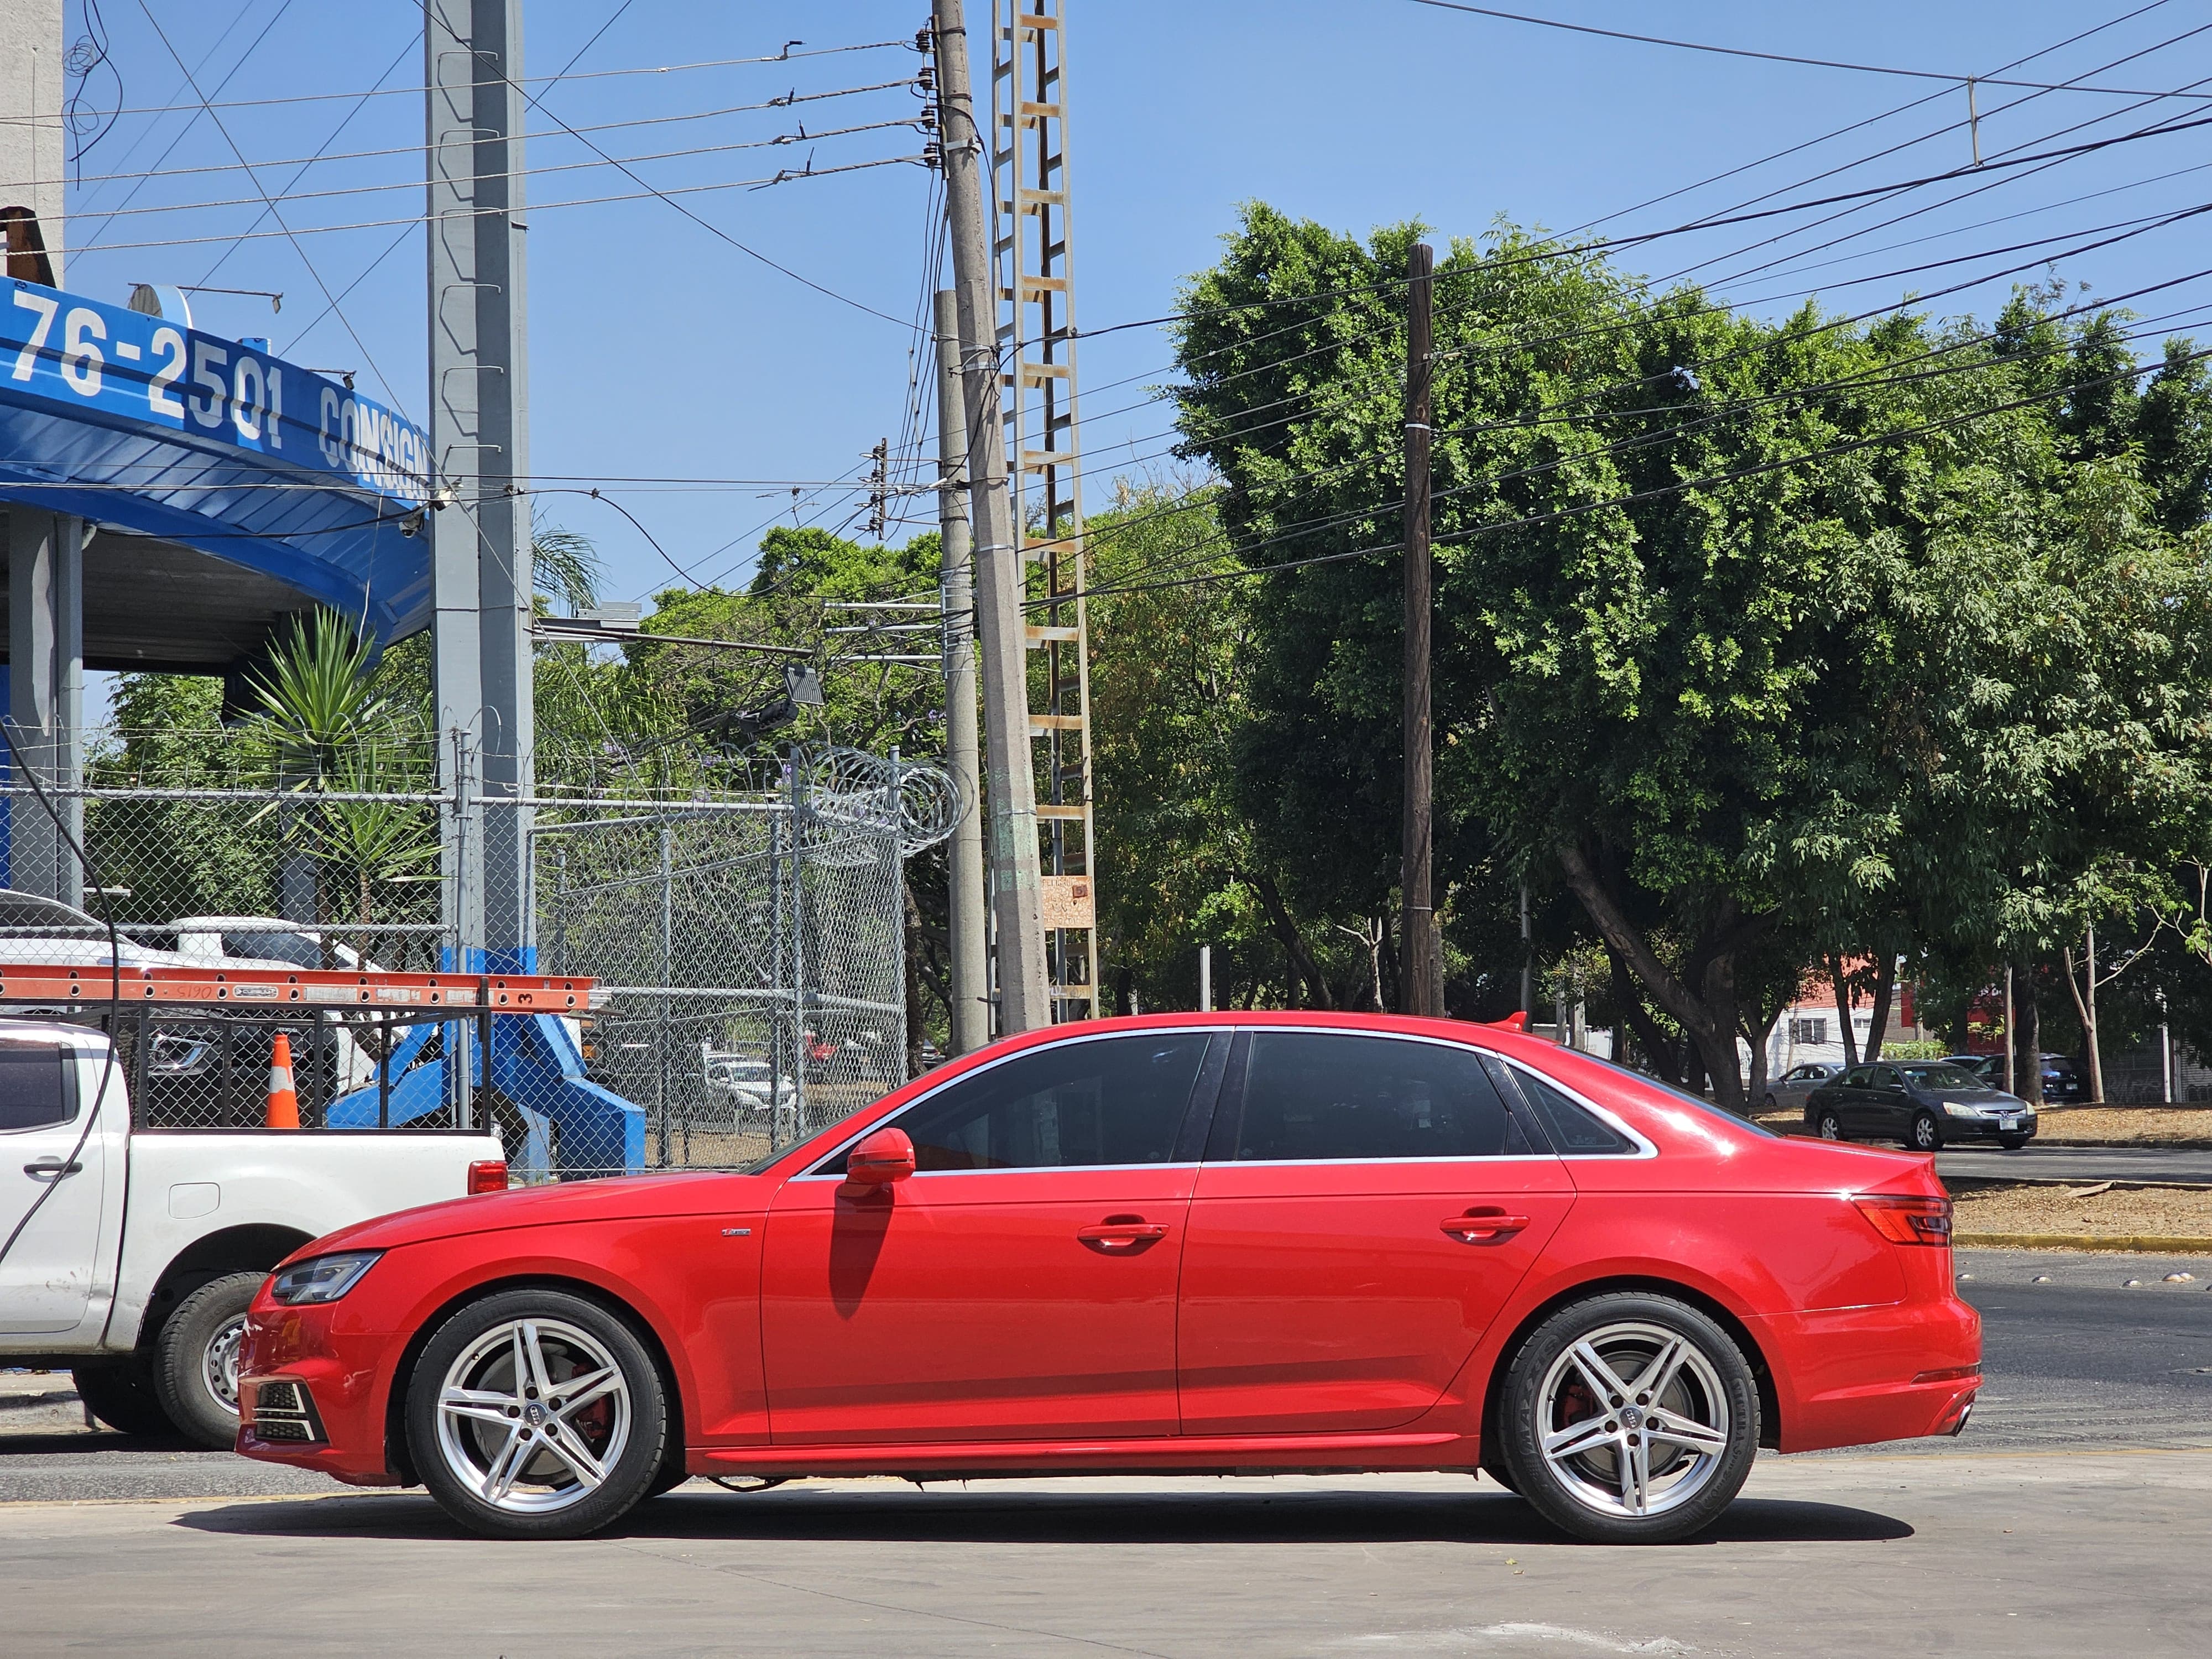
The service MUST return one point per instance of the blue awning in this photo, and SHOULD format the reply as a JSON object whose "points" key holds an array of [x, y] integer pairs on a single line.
{"points": [[142, 424]]}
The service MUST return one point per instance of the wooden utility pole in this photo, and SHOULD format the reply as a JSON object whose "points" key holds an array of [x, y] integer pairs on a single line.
{"points": [[1024, 1002], [1420, 952]]}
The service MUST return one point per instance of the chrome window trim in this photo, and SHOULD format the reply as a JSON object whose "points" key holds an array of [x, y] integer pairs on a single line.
{"points": [[1465, 1046], [858, 1135]]}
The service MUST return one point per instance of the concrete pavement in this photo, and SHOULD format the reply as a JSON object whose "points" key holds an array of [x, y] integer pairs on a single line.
{"points": [[2024, 1554]]}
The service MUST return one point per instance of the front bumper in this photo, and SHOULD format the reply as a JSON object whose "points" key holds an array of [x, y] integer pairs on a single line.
{"points": [[341, 1370], [1957, 1129]]}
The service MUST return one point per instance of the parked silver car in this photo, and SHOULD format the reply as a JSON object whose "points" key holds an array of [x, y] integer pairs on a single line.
{"points": [[1788, 1092]]}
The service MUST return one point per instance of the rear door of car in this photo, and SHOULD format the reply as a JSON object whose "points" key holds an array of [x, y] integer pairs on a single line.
{"points": [[1889, 1108], [1852, 1099], [1021, 1284], [1367, 1203]]}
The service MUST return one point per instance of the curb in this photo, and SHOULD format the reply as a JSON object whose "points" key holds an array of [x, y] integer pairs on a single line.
{"points": [[2126, 1244], [2122, 1146]]}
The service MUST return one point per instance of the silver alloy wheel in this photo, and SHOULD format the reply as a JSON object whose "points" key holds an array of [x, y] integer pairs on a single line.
{"points": [[1635, 1420], [1926, 1138], [219, 1362], [533, 1415], [1832, 1127]]}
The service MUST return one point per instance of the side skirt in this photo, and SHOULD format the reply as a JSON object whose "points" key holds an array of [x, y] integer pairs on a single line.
{"points": [[1256, 1454]]}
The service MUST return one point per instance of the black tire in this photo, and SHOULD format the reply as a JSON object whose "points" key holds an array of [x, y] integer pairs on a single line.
{"points": [[195, 1359], [1828, 1124], [119, 1392], [2012, 1143], [1708, 1389], [1494, 1467], [1770, 1105], [1926, 1134], [627, 1439]]}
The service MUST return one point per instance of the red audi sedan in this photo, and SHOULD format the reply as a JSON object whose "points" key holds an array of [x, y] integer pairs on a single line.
{"points": [[1199, 1244]]}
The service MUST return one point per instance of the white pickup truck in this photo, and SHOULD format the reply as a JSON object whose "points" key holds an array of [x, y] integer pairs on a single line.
{"points": [[129, 1256]]}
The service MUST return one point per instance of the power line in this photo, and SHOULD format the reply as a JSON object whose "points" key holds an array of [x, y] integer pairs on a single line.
{"points": [[527, 81], [366, 356], [704, 224], [1773, 57]]}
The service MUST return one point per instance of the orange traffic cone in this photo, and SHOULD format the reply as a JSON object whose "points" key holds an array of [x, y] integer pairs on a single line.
{"points": [[283, 1102]]}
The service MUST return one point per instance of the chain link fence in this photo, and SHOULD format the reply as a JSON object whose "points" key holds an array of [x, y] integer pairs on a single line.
{"points": [[749, 948]]}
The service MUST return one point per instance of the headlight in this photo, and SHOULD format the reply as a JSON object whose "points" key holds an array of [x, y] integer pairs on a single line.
{"points": [[1960, 1108], [322, 1278]]}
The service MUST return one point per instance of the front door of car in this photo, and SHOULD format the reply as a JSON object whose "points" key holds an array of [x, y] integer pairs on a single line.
{"points": [[1021, 1284], [1366, 1206], [51, 1189]]}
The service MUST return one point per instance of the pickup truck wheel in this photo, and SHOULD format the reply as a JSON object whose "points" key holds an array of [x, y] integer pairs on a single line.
{"points": [[1630, 1419], [120, 1393], [534, 1413], [195, 1359]]}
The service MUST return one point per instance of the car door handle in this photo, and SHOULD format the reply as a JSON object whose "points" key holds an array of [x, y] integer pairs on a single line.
{"points": [[52, 1166], [1479, 1225], [1121, 1236]]}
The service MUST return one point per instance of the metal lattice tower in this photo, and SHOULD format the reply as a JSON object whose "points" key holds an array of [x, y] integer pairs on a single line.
{"points": [[1035, 283]]}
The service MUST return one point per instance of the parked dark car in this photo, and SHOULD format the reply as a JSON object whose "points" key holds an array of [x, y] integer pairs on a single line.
{"points": [[2062, 1082], [1925, 1103]]}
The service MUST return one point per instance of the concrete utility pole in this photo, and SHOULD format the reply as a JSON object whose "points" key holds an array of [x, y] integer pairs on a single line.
{"points": [[480, 441], [45, 681], [1024, 998], [971, 962], [1419, 950]]}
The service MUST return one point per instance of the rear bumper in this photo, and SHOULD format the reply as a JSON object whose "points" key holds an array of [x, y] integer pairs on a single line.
{"points": [[1858, 1376]]}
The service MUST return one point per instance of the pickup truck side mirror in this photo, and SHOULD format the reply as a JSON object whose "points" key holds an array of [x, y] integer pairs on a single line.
{"points": [[881, 1158]]}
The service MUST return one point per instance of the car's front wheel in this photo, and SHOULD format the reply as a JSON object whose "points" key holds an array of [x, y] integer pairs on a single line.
{"points": [[1829, 1126], [1630, 1419], [536, 1414], [196, 1358], [1927, 1134]]}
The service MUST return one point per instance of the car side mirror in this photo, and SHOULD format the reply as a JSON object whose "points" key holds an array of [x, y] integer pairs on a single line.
{"points": [[881, 1158]]}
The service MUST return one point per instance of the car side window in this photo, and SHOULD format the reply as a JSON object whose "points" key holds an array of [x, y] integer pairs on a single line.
{"points": [[1326, 1095], [1108, 1100], [1885, 1077], [1574, 1128], [1859, 1076], [37, 1085]]}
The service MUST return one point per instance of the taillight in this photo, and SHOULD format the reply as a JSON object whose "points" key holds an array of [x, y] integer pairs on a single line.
{"points": [[489, 1176], [1909, 1220]]}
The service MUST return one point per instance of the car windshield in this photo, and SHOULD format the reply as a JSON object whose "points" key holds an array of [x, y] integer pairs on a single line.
{"points": [[1941, 1074]]}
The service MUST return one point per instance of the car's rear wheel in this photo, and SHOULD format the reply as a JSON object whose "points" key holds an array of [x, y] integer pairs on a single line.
{"points": [[195, 1359], [536, 1414], [1829, 1126], [1630, 1419], [119, 1392], [1927, 1134]]}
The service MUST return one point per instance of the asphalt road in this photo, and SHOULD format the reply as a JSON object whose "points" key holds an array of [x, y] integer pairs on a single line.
{"points": [[2037, 1161]]}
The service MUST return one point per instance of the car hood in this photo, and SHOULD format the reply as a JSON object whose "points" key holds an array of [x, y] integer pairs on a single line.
{"points": [[707, 1193]]}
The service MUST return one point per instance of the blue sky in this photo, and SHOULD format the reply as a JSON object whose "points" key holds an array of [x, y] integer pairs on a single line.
{"points": [[661, 352]]}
